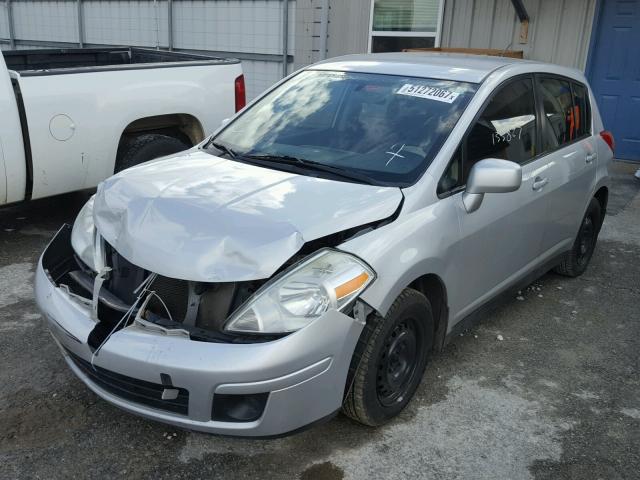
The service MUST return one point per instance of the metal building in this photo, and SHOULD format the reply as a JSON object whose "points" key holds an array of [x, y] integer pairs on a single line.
{"points": [[273, 37]]}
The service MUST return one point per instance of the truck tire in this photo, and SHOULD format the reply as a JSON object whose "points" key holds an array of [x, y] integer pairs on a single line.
{"points": [[389, 360], [146, 147], [575, 261]]}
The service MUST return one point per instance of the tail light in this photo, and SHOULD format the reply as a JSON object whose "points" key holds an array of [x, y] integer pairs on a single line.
{"points": [[241, 93], [607, 136]]}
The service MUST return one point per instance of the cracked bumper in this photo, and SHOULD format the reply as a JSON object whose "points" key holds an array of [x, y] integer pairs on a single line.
{"points": [[304, 373]]}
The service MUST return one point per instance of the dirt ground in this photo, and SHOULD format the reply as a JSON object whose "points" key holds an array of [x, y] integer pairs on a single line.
{"points": [[558, 397]]}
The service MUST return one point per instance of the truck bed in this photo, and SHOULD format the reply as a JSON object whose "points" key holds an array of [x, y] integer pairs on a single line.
{"points": [[65, 61]]}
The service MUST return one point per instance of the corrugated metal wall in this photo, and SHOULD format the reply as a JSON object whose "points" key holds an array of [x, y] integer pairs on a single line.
{"points": [[348, 21], [559, 30], [348, 29], [308, 20], [4, 22], [252, 27]]}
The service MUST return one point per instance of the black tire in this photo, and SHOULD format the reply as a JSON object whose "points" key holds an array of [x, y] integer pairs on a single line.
{"points": [[575, 261], [389, 360], [146, 147]]}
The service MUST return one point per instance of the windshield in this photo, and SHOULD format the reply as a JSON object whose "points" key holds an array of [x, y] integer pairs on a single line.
{"points": [[379, 129]]}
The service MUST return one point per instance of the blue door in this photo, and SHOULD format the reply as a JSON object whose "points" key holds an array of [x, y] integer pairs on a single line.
{"points": [[614, 73]]}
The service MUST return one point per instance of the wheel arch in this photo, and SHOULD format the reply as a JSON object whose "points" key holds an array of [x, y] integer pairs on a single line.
{"points": [[602, 195], [433, 287], [183, 126]]}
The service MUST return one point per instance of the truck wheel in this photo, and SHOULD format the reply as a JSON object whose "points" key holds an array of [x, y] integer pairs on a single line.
{"points": [[146, 147], [575, 261], [389, 360]]}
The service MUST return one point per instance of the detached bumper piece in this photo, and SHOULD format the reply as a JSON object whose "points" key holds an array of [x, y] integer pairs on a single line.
{"points": [[134, 390]]}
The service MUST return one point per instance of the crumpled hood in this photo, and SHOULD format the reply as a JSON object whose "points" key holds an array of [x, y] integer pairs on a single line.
{"points": [[203, 218]]}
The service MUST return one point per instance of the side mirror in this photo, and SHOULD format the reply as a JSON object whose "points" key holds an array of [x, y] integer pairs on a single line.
{"points": [[490, 175]]}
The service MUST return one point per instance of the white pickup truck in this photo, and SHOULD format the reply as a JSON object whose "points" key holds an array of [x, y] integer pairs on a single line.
{"points": [[71, 118]]}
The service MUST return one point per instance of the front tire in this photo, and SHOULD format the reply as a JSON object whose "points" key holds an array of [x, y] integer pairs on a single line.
{"points": [[577, 259], [389, 360]]}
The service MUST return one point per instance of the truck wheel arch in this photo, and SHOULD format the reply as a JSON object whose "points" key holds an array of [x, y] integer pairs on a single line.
{"points": [[183, 126]]}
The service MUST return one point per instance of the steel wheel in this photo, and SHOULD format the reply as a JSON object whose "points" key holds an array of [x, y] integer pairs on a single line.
{"points": [[397, 364]]}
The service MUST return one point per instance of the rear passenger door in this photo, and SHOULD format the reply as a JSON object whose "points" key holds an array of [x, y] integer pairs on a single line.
{"points": [[501, 241], [568, 144]]}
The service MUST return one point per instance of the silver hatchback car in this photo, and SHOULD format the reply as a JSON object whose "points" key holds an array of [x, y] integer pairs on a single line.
{"points": [[313, 252]]}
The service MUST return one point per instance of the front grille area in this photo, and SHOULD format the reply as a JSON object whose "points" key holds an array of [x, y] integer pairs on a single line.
{"points": [[132, 389], [126, 277]]}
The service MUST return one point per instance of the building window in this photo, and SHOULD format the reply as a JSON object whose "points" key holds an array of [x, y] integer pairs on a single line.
{"points": [[400, 24]]}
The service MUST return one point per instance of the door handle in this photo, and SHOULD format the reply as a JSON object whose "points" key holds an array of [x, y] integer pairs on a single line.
{"points": [[590, 157], [539, 182]]}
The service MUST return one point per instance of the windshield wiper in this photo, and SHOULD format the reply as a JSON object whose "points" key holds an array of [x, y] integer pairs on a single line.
{"points": [[223, 148], [312, 165]]}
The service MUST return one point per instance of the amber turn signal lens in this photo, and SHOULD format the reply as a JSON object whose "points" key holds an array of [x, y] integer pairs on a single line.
{"points": [[352, 285]]}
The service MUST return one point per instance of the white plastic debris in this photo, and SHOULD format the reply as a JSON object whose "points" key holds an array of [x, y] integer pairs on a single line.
{"points": [[520, 297], [540, 295], [500, 337], [574, 312]]}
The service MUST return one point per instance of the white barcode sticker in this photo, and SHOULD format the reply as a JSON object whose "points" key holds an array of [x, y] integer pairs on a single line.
{"points": [[432, 93]]}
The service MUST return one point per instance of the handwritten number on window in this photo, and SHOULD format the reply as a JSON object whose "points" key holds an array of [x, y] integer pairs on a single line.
{"points": [[507, 137]]}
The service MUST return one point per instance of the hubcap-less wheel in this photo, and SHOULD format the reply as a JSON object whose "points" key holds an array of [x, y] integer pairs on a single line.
{"points": [[397, 363], [586, 239], [575, 261], [389, 359]]}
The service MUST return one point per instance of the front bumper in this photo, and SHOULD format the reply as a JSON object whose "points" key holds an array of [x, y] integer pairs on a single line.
{"points": [[303, 373]]}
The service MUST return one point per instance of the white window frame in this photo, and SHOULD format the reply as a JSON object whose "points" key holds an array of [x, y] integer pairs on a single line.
{"points": [[387, 33]]}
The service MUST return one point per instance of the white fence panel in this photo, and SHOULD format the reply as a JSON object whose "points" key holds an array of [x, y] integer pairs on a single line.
{"points": [[4, 21], [51, 21], [230, 25], [138, 23]]}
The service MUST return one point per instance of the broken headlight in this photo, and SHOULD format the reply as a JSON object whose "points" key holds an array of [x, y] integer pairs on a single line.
{"points": [[327, 280], [83, 235]]}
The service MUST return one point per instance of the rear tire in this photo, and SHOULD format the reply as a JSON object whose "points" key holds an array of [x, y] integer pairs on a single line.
{"points": [[389, 360], [147, 147], [575, 261]]}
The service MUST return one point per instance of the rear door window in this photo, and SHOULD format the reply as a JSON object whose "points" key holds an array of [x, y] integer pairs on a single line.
{"points": [[557, 104]]}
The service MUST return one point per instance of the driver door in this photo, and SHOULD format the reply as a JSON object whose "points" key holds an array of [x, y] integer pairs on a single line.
{"points": [[501, 240]]}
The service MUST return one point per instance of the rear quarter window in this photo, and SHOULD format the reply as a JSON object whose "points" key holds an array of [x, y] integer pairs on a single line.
{"points": [[582, 109]]}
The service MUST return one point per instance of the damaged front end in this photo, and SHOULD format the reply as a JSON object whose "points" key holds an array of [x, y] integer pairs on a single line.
{"points": [[121, 294], [197, 310], [247, 357]]}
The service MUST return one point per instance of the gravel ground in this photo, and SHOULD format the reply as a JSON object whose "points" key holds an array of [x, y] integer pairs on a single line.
{"points": [[557, 397]]}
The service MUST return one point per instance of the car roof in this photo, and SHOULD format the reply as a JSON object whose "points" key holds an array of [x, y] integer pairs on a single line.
{"points": [[445, 66]]}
